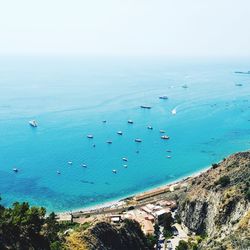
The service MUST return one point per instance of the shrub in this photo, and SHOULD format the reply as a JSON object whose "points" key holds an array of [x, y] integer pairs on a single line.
{"points": [[215, 165], [183, 245], [223, 181]]}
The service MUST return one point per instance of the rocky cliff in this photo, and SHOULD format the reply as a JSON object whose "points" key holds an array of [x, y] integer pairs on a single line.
{"points": [[104, 236], [216, 204]]}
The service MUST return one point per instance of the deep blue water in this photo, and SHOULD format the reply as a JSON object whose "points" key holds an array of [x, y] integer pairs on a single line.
{"points": [[69, 98]]}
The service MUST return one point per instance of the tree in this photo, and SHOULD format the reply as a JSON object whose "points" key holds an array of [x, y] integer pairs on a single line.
{"points": [[183, 245]]}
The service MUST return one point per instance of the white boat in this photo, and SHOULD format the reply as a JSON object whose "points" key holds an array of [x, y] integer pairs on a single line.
{"points": [[90, 136], [70, 162], [165, 137], [174, 111], [150, 127], [168, 156], [84, 165], [58, 172], [33, 123], [119, 132], [114, 171], [125, 159], [138, 140], [125, 166], [162, 131], [130, 122], [15, 170]]}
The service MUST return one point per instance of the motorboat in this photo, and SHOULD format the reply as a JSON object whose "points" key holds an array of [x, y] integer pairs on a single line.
{"points": [[84, 165], [114, 171], [119, 132], [125, 159], [109, 142], [174, 111], [150, 127], [184, 86], [15, 170], [125, 166], [58, 172], [104, 121], [130, 122], [145, 107], [163, 97], [165, 137], [33, 123], [162, 131], [70, 162], [138, 140], [169, 156], [90, 136]]}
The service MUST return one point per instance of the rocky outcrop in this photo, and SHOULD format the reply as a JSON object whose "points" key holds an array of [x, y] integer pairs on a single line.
{"points": [[104, 236], [216, 201]]}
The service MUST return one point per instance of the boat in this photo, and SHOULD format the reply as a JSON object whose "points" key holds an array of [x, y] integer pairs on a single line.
{"points": [[104, 121], [125, 166], [137, 151], [33, 123], [119, 132], [242, 72], [174, 112], [130, 122], [58, 172], [109, 142], [90, 136], [184, 86], [125, 159], [238, 84], [145, 107], [15, 170], [163, 97], [165, 137], [169, 151], [114, 171], [150, 127], [162, 131], [138, 140], [70, 162], [168, 156], [93, 145], [84, 165]]}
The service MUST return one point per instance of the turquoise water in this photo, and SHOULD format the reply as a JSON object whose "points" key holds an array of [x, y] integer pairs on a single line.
{"points": [[69, 97]]}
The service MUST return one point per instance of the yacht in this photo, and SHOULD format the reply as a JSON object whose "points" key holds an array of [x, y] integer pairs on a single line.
{"points": [[145, 107], [33, 123], [70, 162], [119, 132], [162, 131], [150, 127], [168, 156], [125, 166], [130, 122], [109, 142], [125, 159], [15, 170], [163, 97], [114, 171], [84, 165], [90, 136], [165, 137]]}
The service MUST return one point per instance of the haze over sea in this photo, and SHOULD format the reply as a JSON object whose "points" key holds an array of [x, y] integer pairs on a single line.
{"points": [[70, 97]]}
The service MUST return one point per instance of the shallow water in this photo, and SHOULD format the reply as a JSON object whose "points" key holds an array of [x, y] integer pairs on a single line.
{"points": [[69, 97]]}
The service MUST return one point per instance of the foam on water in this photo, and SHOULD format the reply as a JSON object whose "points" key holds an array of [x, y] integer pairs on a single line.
{"points": [[70, 98]]}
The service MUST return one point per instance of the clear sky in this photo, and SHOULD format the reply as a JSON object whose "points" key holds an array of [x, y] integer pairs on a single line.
{"points": [[197, 28]]}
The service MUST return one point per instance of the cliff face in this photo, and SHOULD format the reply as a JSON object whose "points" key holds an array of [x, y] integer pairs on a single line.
{"points": [[216, 204], [104, 236]]}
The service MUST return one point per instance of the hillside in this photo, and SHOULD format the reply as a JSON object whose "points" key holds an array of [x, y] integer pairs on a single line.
{"points": [[216, 204]]}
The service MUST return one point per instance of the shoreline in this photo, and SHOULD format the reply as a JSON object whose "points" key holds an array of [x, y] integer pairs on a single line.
{"points": [[116, 202]]}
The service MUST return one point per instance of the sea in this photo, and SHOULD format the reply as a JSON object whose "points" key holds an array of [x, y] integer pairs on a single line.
{"points": [[71, 97]]}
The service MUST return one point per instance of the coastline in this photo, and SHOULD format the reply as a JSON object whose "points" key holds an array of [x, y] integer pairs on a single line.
{"points": [[117, 202]]}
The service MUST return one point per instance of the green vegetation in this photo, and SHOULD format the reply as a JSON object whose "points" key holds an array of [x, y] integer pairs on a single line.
{"points": [[223, 181], [25, 227], [183, 245], [168, 221]]}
